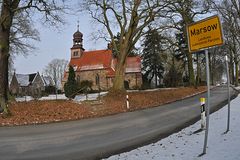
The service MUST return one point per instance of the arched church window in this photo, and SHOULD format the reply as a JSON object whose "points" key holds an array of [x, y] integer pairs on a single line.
{"points": [[97, 79], [78, 79]]}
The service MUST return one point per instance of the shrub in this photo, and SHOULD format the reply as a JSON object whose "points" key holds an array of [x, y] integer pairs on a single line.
{"points": [[70, 87], [85, 86]]}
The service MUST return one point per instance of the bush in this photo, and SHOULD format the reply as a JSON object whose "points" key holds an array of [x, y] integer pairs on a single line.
{"points": [[70, 87], [50, 90], [70, 90], [136, 87], [85, 86]]}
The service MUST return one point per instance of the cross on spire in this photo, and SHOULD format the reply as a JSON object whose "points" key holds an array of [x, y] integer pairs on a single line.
{"points": [[78, 25]]}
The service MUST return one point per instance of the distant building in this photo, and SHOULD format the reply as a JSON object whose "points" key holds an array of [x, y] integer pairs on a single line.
{"points": [[99, 66], [48, 81], [26, 84], [49, 85]]}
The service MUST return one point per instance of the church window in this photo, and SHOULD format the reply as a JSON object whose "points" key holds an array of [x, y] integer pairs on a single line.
{"points": [[78, 79], [75, 53], [97, 79]]}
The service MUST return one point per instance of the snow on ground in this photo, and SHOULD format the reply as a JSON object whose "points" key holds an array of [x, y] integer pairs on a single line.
{"points": [[50, 97], [238, 88], [78, 98], [151, 90], [92, 96], [53, 97], [185, 145], [25, 98]]}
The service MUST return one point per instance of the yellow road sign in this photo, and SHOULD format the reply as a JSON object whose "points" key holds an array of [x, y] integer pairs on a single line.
{"points": [[205, 33]]}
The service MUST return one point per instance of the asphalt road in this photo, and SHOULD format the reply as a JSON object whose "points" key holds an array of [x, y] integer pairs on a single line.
{"points": [[101, 137]]}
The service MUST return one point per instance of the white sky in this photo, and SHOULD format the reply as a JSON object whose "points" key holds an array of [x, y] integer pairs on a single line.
{"points": [[55, 44], [185, 145]]}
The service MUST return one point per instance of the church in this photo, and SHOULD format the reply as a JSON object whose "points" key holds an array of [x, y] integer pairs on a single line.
{"points": [[98, 66]]}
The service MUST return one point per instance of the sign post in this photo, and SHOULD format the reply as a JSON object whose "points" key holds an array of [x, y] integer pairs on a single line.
{"points": [[208, 103], [228, 85], [201, 36]]}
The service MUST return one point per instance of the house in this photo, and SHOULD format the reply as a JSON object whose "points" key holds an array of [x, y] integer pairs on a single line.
{"points": [[26, 84], [99, 66], [49, 85], [48, 81]]}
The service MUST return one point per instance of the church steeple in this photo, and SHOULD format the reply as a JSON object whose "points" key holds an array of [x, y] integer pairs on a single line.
{"points": [[78, 25], [78, 38], [77, 48]]}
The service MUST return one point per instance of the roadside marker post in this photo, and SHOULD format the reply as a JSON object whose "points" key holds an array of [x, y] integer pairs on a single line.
{"points": [[228, 85], [202, 35], [127, 101], [203, 113]]}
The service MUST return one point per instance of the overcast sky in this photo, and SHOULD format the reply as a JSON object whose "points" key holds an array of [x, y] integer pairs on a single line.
{"points": [[55, 44]]}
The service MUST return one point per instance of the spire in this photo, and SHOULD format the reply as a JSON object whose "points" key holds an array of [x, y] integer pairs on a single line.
{"points": [[78, 38], [78, 25]]}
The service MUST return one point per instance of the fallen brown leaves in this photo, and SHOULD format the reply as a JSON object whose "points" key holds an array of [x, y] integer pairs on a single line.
{"points": [[35, 112]]}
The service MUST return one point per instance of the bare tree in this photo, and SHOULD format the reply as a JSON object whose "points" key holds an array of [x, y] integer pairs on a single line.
{"points": [[55, 69], [21, 34], [230, 13], [129, 18], [10, 9], [180, 14]]}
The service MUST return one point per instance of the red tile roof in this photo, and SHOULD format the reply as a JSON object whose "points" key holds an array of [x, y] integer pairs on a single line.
{"points": [[133, 64], [102, 59], [98, 58]]}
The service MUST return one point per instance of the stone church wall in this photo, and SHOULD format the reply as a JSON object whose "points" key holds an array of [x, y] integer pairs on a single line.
{"points": [[134, 80], [91, 75]]}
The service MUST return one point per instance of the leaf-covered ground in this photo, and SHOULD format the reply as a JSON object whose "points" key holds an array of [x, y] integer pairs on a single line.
{"points": [[37, 112]]}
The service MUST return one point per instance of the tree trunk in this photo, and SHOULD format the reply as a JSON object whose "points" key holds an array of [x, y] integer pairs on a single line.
{"points": [[198, 72], [211, 63], [155, 74], [190, 69], [189, 57], [5, 25], [118, 85], [236, 73], [231, 67], [3, 76]]}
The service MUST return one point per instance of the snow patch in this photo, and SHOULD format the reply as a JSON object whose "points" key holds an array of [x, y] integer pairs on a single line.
{"points": [[78, 98], [185, 145]]}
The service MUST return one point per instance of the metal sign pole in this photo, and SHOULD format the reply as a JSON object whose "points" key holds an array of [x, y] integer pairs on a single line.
{"points": [[228, 86], [208, 103]]}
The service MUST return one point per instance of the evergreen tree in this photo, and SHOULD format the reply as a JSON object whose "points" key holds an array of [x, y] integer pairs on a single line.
{"points": [[152, 60], [182, 44], [181, 52], [173, 77], [70, 87]]}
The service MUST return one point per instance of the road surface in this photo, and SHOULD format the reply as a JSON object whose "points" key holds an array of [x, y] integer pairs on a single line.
{"points": [[101, 137]]}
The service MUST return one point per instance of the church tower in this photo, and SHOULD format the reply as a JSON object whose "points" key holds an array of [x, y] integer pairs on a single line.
{"points": [[77, 48]]}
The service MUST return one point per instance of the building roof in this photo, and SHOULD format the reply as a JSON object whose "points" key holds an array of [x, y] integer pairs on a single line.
{"points": [[102, 59], [77, 34], [133, 64], [90, 60], [25, 79], [48, 81]]}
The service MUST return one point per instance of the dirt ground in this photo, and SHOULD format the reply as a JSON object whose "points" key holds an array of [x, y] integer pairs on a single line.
{"points": [[37, 112]]}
